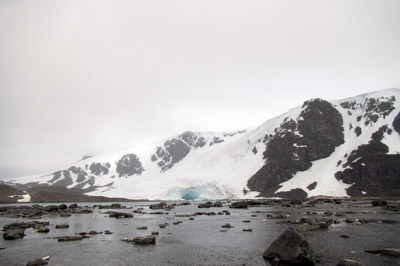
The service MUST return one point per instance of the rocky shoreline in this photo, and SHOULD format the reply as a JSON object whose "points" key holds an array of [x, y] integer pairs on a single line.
{"points": [[309, 223]]}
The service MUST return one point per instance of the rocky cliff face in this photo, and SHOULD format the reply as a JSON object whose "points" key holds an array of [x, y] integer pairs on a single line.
{"points": [[295, 144], [367, 167], [370, 170]]}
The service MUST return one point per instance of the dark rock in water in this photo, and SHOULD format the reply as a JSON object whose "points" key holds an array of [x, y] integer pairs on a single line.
{"points": [[290, 248], [217, 204], [69, 238], [120, 215], [158, 206], [51, 208], [239, 205], [205, 205], [247, 230], [393, 252], [12, 234], [148, 240], [182, 215], [379, 203], [226, 226], [62, 226], [162, 225], [94, 233], [253, 203], [73, 206], [62, 207], [108, 232], [37, 262], [307, 227], [115, 206], [65, 214], [154, 233], [1, 248], [296, 202], [43, 229], [347, 262], [142, 228]]}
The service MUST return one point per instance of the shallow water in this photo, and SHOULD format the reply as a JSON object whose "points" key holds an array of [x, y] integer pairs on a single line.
{"points": [[199, 242]]}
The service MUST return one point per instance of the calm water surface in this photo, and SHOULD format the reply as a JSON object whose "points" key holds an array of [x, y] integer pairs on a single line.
{"points": [[200, 242]]}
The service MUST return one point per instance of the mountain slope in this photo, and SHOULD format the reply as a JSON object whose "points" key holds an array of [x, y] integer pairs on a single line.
{"points": [[345, 147]]}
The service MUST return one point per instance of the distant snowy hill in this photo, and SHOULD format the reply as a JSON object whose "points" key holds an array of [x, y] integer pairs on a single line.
{"points": [[345, 147]]}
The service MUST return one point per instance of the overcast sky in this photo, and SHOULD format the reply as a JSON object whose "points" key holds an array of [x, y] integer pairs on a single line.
{"points": [[86, 77]]}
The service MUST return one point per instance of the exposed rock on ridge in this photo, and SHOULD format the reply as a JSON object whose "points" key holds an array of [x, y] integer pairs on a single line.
{"points": [[318, 130]]}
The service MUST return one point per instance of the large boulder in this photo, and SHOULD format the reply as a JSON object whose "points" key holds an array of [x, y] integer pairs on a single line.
{"points": [[147, 240], [12, 234], [37, 262], [290, 248]]}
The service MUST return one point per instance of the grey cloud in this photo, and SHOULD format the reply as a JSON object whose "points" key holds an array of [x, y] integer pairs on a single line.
{"points": [[79, 77]]}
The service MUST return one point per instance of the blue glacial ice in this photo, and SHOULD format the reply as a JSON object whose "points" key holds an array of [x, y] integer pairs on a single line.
{"points": [[200, 192]]}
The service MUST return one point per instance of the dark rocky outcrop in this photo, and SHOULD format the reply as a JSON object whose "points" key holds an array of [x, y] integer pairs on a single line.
{"points": [[315, 135], [373, 108], [9, 194], [290, 248], [312, 186], [396, 123], [61, 179], [99, 169], [176, 149], [129, 165], [82, 175], [371, 171], [216, 140]]}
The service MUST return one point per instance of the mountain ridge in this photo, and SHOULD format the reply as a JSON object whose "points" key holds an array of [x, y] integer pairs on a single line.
{"points": [[309, 150]]}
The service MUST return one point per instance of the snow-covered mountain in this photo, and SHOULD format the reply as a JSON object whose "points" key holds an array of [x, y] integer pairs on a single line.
{"points": [[345, 147]]}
